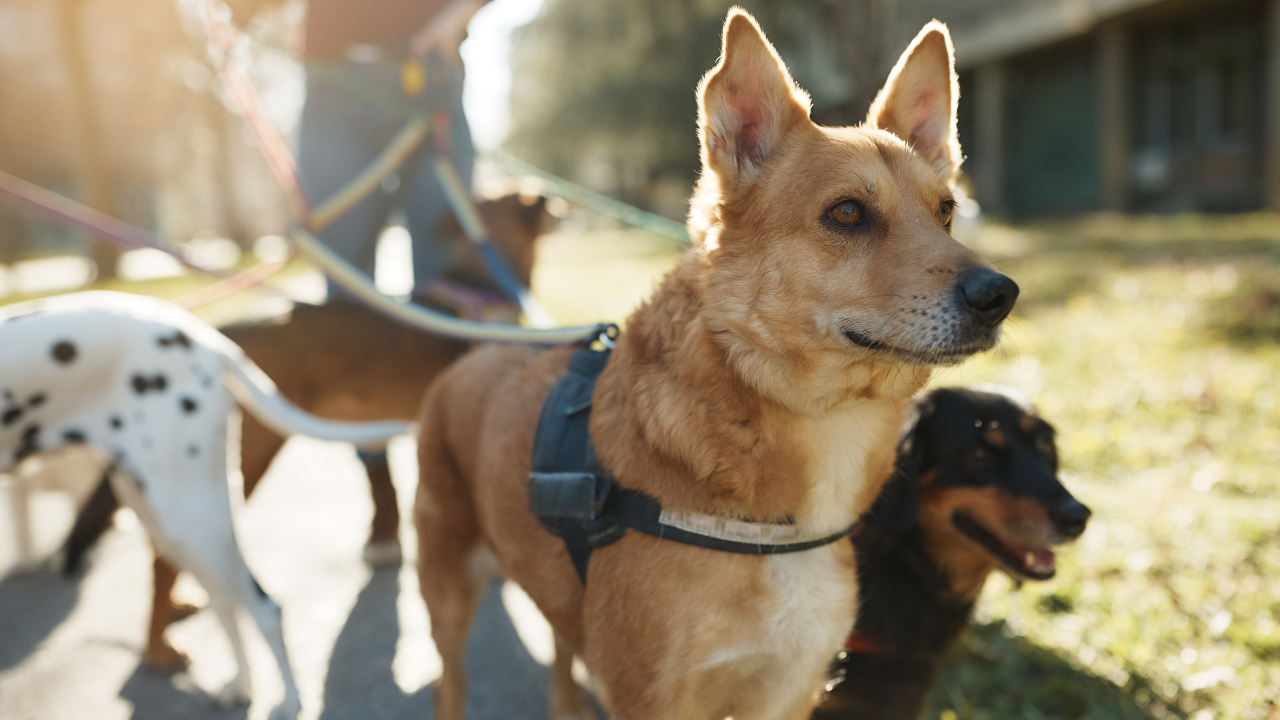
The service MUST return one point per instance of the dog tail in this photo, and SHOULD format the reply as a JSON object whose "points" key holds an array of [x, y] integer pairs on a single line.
{"points": [[258, 394], [92, 521]]}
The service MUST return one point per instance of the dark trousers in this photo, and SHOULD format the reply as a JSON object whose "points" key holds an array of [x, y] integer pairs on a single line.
{"points": [[342, 132]]}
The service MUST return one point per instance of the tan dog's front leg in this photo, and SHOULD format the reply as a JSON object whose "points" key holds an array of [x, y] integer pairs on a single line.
{"points": [[448, 540], [567, 699], [20, 500]]}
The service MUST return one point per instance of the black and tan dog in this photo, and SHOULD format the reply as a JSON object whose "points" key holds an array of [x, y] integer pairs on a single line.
{"points": [[976, 488]]}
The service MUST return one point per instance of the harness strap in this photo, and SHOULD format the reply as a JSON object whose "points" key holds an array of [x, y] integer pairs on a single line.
{"points": [[577, 500], [567, 486], [642, 513]]}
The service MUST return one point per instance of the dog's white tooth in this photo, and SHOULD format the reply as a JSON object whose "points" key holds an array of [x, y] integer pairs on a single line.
{"points": [[1030, 559]]}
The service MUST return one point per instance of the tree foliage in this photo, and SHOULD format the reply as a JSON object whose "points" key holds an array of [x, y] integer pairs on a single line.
{"points": [[603, 92]]}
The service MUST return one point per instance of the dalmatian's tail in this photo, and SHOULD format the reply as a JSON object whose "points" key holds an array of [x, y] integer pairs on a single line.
{"points": [[258, 394]]}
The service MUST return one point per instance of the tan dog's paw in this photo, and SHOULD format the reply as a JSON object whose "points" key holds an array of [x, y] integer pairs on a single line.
{"points": [[380, 554], [163, 659]]}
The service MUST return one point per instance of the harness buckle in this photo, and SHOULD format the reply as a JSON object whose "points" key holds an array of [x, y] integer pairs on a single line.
{"points": [[568, 495], [605, 340]]}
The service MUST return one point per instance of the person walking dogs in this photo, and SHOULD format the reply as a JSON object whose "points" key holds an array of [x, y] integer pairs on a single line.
{"points": [[355, 52], [406, 49]]}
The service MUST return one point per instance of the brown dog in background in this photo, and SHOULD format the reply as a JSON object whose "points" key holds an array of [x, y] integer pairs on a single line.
{"points": [[340, 361], [765, 380]]}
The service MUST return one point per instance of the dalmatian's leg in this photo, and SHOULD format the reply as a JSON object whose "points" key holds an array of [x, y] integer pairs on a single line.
{"points": [[266, 613], [210, 554], [207, 547], [239, 690], [232, 587], [20, 499], [202, 541]]}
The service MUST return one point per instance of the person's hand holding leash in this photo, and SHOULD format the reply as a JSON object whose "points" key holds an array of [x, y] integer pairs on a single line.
{"points": [[446, 31]]}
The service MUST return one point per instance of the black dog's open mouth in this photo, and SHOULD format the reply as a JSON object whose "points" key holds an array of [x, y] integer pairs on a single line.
{"points": [[940, 356], [1032, 563]]}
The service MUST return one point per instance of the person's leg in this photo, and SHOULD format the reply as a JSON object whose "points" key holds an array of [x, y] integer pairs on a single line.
{"points": [[425, 203], [339, 136]]}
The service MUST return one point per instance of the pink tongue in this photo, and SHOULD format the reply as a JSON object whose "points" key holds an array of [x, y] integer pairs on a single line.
{"points": [[1044, 558]]}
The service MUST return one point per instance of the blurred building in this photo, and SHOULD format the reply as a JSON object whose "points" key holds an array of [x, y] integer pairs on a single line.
{"points": [[1130, 105], [1068, 105], [1077, 105]]}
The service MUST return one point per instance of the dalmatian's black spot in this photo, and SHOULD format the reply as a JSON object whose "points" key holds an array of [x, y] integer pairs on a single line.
{"points": [[116, 422], [73, 436], [192, 450], [178, 338], [30, 442], [37, 400], [64, 352], [189, 405], [142, 384], [11, 416]]}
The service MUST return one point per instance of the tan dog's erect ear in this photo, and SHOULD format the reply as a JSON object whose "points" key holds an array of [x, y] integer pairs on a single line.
{"points": [[918, 103], [746, 103]]}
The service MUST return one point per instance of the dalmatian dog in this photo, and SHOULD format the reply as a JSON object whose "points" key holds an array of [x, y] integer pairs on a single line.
{"points": [[154, 389]]}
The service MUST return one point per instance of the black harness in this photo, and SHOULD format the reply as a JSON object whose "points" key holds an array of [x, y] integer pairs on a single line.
{"points": [[577, 500]]}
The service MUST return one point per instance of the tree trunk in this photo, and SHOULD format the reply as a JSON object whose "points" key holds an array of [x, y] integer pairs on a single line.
{"points": [[90, 168]]}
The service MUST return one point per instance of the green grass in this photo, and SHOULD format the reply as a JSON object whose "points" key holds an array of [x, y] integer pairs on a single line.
{"points": [[1157, 359], [228, 309]]}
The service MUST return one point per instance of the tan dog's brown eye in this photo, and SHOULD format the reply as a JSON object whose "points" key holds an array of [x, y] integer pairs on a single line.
{"points": [[946, 210], [845, 213]]}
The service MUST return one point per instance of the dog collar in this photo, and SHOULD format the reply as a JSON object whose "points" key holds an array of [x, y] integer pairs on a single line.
{"points": [[577, 500], [859, 644]]}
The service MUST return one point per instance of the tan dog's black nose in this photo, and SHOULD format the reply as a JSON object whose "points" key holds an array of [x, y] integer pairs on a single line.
{"points": [[987, 294]]}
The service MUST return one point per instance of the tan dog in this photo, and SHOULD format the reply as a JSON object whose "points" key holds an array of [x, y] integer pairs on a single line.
{"points": [[765, 380]]}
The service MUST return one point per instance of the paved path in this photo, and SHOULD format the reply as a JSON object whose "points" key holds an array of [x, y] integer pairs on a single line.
{"points": [[358, 638]]}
